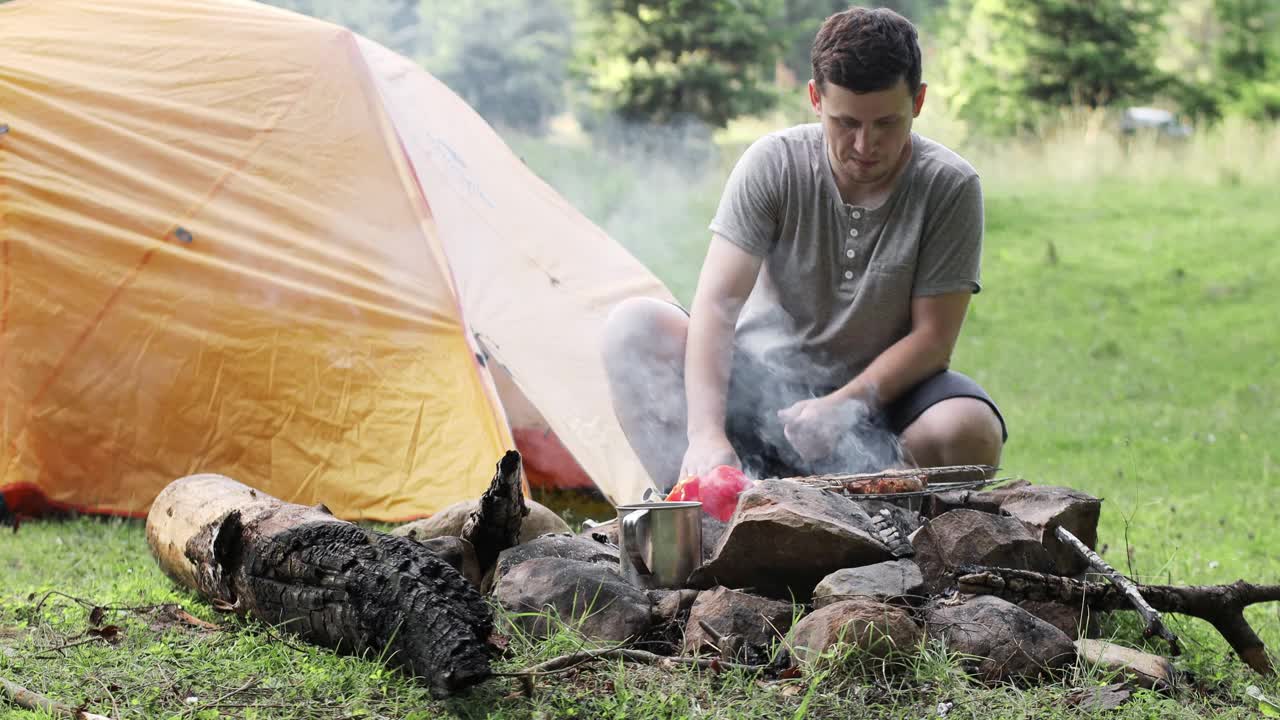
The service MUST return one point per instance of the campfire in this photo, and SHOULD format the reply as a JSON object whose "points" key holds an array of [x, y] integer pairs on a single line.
{"points": [[1000, 570]]}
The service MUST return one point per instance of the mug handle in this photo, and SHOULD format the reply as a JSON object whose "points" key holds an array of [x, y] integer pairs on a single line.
{"points": [[631, 540]]}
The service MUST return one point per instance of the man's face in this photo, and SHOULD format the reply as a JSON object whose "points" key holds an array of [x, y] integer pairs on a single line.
{"points": [[866, 132]]}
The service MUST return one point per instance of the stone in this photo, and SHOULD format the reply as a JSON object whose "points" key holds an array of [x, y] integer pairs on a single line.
{"points": [[887, 581], [540, 521], [972, 537], [670, 615], [1073, 620], [1042, 508], [750, 622], [785, 537], [988, 501], [713, 531], [1149, 671], [589, 597], [671, 606], [458, 553], [874, 627], [567, 546], [1004, 641]]}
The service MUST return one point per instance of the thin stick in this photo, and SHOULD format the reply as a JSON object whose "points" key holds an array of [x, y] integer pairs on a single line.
{"points": [[115, 707], [30, 700], [217, 703], [1155, 624], [565, 663], [48, 652]]}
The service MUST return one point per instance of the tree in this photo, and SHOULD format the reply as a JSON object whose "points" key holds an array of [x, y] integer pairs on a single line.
{"points": [[1247, 56], [663, 61], [1009, 60], [802, 18], [509, 59]]}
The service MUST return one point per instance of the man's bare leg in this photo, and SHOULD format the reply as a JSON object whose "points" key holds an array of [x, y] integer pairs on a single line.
{"points": [[956, 431], [644, 343]]}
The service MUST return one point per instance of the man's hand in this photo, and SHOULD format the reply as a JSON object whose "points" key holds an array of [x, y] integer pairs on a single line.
{"points": [[814, 426], [707, 453]]}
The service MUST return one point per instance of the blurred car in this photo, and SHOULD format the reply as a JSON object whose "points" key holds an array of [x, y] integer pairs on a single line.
{"points": [[1162, 123]]}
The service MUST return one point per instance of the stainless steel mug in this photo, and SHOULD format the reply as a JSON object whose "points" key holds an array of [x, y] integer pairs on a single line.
{"points": [[660, 542]]}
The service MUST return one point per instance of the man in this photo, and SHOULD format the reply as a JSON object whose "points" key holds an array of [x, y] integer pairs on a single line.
{"points": [[842, 259]]}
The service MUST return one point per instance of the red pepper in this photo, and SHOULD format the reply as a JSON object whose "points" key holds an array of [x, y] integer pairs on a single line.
{"points": [[718, 491]]}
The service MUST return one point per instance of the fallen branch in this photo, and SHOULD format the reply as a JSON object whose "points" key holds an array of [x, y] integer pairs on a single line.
{"points": [[565, 663], [49, 652], [36, 702], [329, 581], [1220, 605], [1154, 623]]}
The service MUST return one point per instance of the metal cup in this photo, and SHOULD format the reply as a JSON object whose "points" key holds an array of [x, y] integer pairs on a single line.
{"points": [[660, 542]]}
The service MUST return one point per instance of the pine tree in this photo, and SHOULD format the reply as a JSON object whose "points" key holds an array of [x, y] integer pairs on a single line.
{"points": [[1007, 61], [663, 61]]}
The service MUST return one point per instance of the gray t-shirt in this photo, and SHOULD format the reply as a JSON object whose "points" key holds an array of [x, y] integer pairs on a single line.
{"points": [[836, 284]]}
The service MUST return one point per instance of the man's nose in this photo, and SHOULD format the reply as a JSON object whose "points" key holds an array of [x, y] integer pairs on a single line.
{"points": [[862, 140]]}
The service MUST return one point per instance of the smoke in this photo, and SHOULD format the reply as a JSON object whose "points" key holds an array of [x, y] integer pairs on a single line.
{"points": [[850, 436], [644, 360]]}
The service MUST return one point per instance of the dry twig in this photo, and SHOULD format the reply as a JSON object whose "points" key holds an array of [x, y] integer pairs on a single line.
{"points": [[565, 663], [30, 700], [1221, 605], [1151, 616]]}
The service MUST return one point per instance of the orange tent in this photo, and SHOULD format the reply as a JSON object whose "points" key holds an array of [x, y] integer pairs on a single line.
{"points": [[235, 239]]}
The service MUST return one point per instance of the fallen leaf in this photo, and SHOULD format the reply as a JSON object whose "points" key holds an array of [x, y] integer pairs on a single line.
{"points": [[1266, 706], [109, 633], [791, 690], [1099, 699], [790, 673], [188, 618]]}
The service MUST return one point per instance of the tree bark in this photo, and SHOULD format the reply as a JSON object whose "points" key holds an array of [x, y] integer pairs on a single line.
{"points": [[494, 525], [1221, 605], [327, 580]]}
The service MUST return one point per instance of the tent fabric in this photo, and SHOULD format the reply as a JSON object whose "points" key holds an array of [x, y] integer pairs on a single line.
{"points": [[234, 239]]}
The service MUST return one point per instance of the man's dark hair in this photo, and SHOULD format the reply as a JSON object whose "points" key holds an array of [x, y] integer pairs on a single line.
{"points": [[866, 50]]}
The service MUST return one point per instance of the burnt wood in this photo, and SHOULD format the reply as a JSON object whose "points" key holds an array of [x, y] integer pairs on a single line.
{"points": [[329, 581], [494, 525]]}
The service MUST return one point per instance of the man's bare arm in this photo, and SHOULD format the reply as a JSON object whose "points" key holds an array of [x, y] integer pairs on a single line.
{"points": [[728, 275], [926, 349]]}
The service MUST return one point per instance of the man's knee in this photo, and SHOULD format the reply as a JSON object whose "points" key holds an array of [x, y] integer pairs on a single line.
{"points": [[957, 431], [640, 329]]}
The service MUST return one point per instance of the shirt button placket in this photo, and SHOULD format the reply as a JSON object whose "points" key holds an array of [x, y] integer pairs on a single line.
{"points": [[850, 252]]}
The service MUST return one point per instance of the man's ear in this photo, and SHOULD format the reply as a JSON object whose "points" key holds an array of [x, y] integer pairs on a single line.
{"points": [[815, 98], [918, 102]]}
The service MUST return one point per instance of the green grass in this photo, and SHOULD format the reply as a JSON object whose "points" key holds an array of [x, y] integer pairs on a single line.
{"points": [[1126, 327]]}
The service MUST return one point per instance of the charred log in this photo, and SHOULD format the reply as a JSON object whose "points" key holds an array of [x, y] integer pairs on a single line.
{"points": [[494, 525], [329, 581]]}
